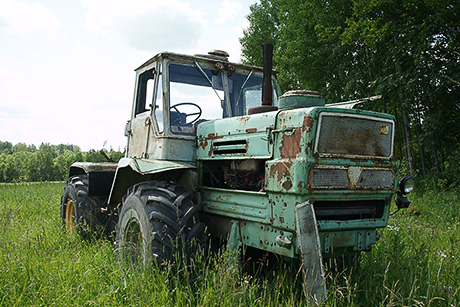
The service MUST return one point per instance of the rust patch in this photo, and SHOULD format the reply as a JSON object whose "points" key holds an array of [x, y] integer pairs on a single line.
{"points": [[287, 185], [211, 150], [300, 185], [308, 148], [307, 124], [203, 143], [251, 130], [290, 144], [243, 119], [282, 168]]}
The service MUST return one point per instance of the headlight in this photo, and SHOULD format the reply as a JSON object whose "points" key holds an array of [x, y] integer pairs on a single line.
{"points": [[407, 184]]}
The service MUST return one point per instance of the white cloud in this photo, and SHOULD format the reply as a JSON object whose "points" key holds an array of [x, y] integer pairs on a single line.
{"points": [[78, 89], [153, 31], [228, 11], [147, 25], [80, 49], [21, 18]]}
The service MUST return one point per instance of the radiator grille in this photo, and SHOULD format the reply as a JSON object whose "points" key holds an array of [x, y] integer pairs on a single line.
{"points": [[329, 178], [350, 178], [376, 178], [354, 135]]}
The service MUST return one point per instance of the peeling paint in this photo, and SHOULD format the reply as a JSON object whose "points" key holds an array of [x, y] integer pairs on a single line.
{"points": [[243, 119], [281, 168], [203, 143], [308, 148], [290, 144], [287, 185], [308, 123]]}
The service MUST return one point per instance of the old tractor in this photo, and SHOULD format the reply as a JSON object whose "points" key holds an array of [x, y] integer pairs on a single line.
{"points": [[213, 147]]}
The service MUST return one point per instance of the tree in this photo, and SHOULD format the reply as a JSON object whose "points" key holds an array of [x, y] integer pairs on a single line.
{"points": [[6, 147], [407, 50], [20, 147], [45, 156], [23, 162]]}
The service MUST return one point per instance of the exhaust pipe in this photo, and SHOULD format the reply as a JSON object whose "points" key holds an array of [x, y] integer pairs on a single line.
{"points": [[267, 89]]}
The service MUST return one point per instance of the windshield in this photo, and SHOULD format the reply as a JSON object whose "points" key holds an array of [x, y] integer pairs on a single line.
{"points": [[199, 93]]}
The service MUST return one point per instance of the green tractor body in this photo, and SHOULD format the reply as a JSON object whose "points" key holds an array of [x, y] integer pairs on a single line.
{"points": [[291, 176]]}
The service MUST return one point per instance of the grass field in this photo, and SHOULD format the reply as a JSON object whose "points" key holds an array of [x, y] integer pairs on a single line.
{"points": [[415, 263]]}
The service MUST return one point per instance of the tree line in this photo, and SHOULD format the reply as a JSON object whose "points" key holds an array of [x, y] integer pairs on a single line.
{"points": [[27, 163], [406, 50]]}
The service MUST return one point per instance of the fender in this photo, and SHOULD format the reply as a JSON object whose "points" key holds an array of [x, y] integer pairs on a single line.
{"points": [[78, 168], [133, 170], [100, 176]]}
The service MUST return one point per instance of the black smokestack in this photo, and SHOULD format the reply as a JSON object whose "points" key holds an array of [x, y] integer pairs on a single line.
{"points": [[267, 90]]}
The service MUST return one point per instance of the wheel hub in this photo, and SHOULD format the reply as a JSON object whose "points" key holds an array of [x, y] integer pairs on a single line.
{"points": [[133, 240], [70, 221]]}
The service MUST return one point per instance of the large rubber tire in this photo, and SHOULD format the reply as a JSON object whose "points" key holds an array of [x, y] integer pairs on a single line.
{"points": [[159, 222], [79, 212]]}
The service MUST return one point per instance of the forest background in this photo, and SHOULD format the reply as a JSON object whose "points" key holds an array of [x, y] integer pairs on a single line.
{"points": [[405, 50], [27, 163]]}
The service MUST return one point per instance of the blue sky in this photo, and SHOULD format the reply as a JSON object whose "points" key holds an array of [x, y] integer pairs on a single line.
{"points": [[67, 66]]}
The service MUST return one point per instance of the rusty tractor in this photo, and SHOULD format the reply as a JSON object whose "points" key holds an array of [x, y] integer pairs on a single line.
{"points": [[214, 145]]}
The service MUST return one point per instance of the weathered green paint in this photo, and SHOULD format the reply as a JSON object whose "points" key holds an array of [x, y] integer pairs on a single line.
{"points": [[90, 167], [145, 166], [250, 137], [266, 237], [251, 206], [300, 99], [337, 241], [285, 140]]}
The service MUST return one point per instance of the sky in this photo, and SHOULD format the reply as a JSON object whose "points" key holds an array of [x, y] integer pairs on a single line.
{"points": [[67, 66]]}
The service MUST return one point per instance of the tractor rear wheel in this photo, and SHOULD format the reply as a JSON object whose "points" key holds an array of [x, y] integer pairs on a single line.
{"points": [[158, 222], [79, 212]]}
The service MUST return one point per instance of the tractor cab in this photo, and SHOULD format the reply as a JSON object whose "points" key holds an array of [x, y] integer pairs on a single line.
{"points": [[175, 93]]}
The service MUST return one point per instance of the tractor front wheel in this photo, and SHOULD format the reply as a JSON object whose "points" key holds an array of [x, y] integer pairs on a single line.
{"points": [[158, 222], [78, 210]]}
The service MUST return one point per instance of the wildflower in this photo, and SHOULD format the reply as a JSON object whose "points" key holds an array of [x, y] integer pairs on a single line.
{"points": [[392, 227]]}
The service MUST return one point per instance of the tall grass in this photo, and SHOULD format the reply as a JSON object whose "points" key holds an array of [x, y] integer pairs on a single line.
{"points": [[415, 263]]}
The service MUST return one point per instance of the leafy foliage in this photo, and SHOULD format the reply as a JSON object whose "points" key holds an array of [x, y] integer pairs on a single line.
{"points": [[26, 163], [406, 50]]}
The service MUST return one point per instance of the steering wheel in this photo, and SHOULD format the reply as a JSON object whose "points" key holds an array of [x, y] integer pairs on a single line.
{"points": [[181, 118]]}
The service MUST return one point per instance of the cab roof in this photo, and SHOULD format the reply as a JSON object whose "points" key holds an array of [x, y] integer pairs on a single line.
{"points": [[211, 57]]}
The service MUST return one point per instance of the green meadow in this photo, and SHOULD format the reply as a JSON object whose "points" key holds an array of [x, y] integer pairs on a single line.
{"points": [[415, 263]]}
